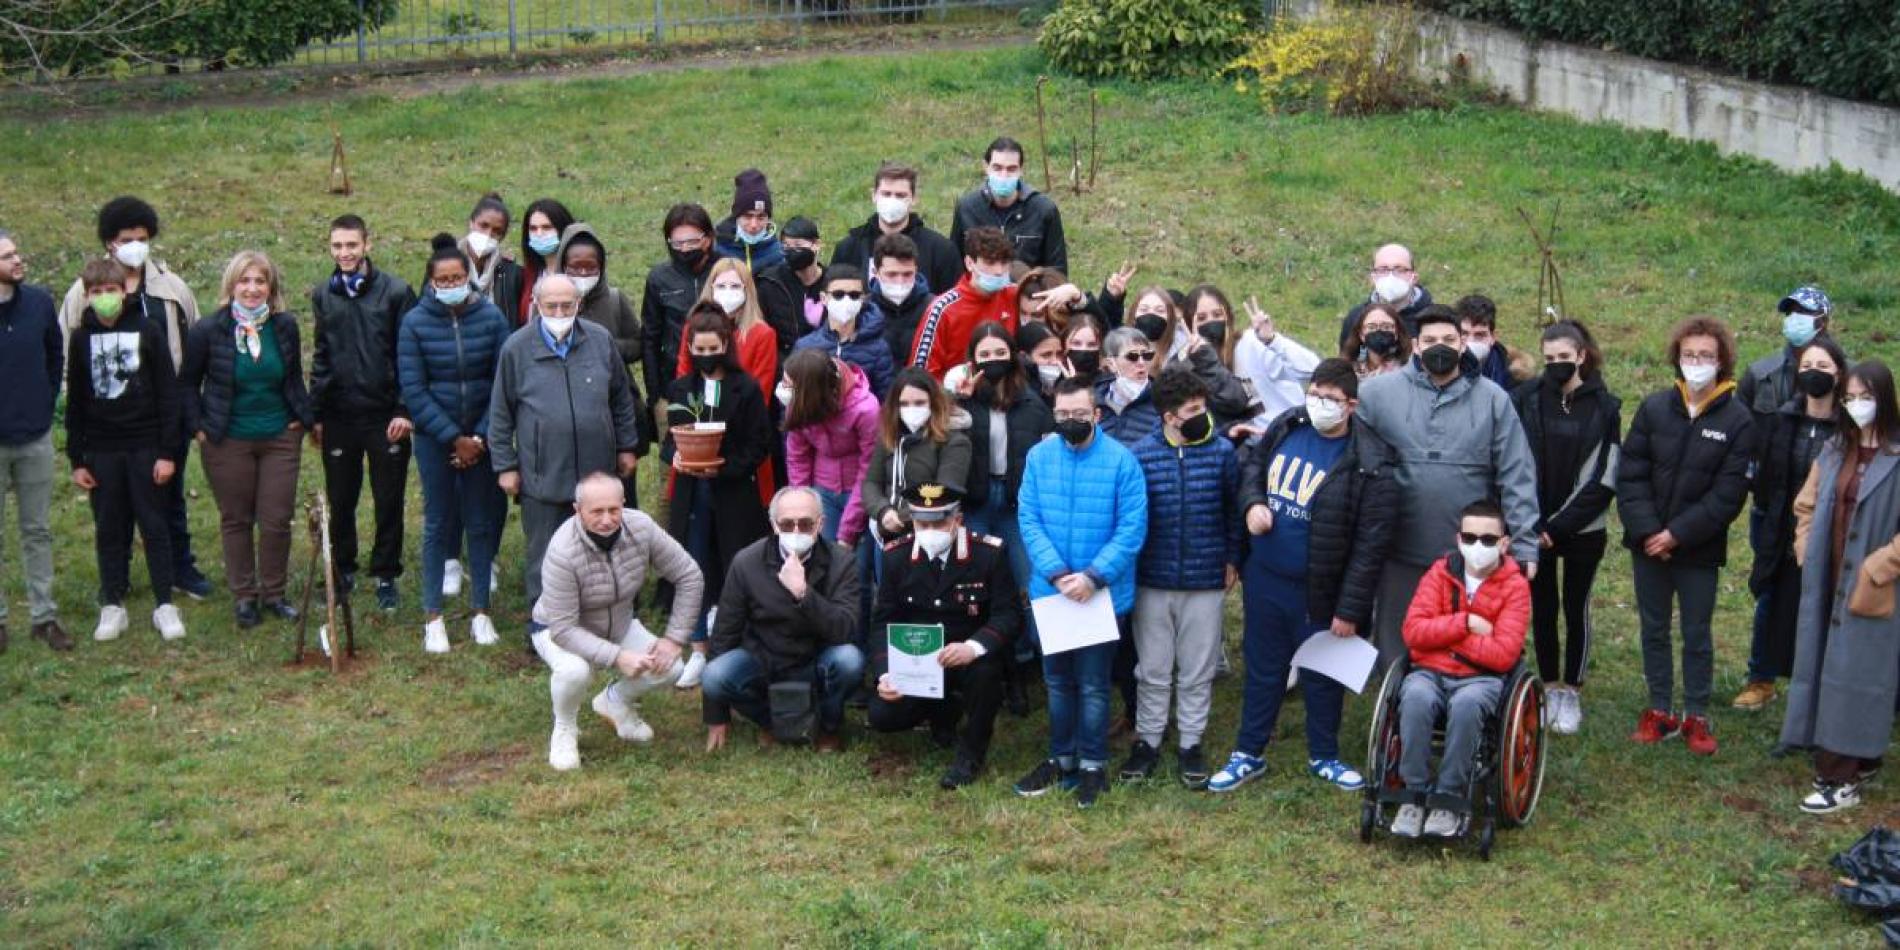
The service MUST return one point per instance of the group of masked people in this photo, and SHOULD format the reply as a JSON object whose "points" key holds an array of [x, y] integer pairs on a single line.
{"points": [[932, 430]]}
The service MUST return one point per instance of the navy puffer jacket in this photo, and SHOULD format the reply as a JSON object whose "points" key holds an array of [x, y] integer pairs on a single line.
{"points": [[866, 350], [1193, 492], [1135, 421], [446, 364]]}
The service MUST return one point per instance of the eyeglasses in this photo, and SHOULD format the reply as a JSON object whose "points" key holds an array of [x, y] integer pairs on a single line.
{"points": [[686, 244], [846, 294], [1139, 356], [558, 309], [800, 525], [1390, 271], [1483, 540], [1700, 359]]}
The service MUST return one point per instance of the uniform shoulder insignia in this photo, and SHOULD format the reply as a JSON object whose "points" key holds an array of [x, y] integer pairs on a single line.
{"points": [[895, 544], [990, 540]]}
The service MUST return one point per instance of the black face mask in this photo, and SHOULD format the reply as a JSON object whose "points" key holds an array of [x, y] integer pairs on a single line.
{"points": [[1815, 382], [1197, 428], [706, 364], [799, 258], [1560, 374], [1151, 326], [1086, 362], [694, 261], [1075, 431], [1384, 343], [1439, 360], [994, 370], [1213, 331], [605, 542]]}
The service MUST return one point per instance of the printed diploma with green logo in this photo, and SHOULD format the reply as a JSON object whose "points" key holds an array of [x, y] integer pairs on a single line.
{"points": [[914, 669]]}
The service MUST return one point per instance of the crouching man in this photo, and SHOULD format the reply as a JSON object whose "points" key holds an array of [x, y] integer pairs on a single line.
{"points": [[596, 564]]}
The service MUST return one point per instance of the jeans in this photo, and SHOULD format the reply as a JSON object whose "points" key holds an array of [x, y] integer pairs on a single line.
{"points": [[1178, 633], [1465, 702], [26, 473], [1659, 585], [1079, 685], [1275, 609], [473, 499], [736, 680], [1577, 560], [126, 495], [347, 447]]}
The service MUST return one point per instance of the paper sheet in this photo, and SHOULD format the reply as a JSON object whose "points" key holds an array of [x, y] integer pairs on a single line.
{"points": [[914, 669], [1065, 625], [1348, 660]]}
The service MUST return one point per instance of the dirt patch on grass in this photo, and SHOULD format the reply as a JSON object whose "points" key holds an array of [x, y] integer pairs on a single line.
{"points": [[890, 765], [475, 768]]}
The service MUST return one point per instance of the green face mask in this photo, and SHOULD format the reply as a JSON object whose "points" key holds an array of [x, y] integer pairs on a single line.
{"points": [[107, 306]]}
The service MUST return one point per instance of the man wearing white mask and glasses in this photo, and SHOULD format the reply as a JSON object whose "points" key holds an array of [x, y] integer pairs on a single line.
{"points": [[1395, 284]]}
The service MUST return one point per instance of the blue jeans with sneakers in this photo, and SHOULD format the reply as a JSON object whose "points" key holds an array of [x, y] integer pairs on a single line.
{"points": [[1079, 688], [1276, 624]]}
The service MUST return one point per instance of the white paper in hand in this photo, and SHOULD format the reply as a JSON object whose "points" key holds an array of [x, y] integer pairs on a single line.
{"points": [[1347, 660], [1065, 625], [914, 668]]}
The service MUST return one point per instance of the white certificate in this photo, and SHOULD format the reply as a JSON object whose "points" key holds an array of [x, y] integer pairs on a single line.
{"points": [[1347, 660], [1065, 625], [914, 668]]}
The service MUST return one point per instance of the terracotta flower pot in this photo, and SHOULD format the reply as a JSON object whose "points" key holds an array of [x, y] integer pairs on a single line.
{"points": [[698, 444]]}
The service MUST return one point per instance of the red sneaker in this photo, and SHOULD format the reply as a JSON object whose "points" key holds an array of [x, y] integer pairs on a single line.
{"points": [[1695, 732], [1655, 726]]}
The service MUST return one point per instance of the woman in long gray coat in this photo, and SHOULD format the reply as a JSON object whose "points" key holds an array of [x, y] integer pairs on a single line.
{"points": [[1847, 641]]}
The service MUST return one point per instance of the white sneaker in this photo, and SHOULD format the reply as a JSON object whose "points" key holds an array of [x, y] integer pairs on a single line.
{"points": [[435, 636], [564, 752], [1570, 714], [451, 578], [1441, 824], [1407, 822], [695, 665], [625, 717], [112, 623], [482, 630], [170, 625]]}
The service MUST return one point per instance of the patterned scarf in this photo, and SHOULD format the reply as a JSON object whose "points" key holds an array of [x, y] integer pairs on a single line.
{"points": [[248, 341]]}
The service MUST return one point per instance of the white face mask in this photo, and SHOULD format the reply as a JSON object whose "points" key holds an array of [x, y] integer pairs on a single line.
{"points": [[1130, 389], [133, 253], [895, 293], [842, 312], [892, 210], [480, 244], [584, 285], [1478, 349], [1392, 288], [913, 417], [933, 541], [1862, 411], [729, 299], [1048, 373], [1479, 558], [1325, 414], [795, 543], [559, 327], [784, 394], [1699, 375]]}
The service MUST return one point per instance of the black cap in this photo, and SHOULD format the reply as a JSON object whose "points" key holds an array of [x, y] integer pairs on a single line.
{"points": [[930, 502]]}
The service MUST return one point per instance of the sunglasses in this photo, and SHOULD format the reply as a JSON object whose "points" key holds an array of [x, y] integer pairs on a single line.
{"points": [[801, 525], [1139, 356], [1485, 540], [846, 294]]}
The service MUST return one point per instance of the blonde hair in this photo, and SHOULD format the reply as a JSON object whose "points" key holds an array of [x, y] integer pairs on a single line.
{"points": [[750, 315], [244, 261]]}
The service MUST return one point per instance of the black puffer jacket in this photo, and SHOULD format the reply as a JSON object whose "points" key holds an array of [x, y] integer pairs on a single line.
{"points": [[1686, 476], [1593, 483], [939, 263], [1355, 511], [209, 375], [1790, 443], [353, 368], [1027, 420]]}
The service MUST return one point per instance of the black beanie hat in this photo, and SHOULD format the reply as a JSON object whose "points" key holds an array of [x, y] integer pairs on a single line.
{"points": [[750, 193]]}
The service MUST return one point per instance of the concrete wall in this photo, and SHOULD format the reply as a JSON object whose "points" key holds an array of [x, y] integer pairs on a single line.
{"points": [[1793, 128]]}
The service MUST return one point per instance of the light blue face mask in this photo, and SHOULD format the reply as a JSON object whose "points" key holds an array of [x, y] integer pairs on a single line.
{"points": [[544, 244], [452, 296], [1799, 329], [745, 238], [990, 283], [1003, 186]]}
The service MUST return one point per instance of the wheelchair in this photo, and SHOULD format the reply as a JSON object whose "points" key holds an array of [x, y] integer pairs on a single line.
{"points": [[1508, 778]]}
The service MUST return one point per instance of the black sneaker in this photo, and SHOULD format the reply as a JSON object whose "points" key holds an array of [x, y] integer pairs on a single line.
{"points": [[1042, 778], [1193, 767], [1141, 762], [281, 609], [247, 615], [386, 595], [1090, 787], [192, 583], [961, 772]]}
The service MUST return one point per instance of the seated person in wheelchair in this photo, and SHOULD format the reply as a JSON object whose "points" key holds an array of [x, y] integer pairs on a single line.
{"points": [[1465, 630]]}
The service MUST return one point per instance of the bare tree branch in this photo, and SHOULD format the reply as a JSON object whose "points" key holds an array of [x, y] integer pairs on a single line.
{"points": [[53, 35]]}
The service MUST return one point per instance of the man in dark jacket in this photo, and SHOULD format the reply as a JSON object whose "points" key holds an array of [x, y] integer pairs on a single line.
{"points": [[789, 290], [1320, 500], [1394, 283], [1028, 217], [358, 403], [901, 290], [748, 235], [788, 613], [1769, 382], [958, 579], [1478, 323], [894, 193], [32, 358], [562, 407], [671, 290]]}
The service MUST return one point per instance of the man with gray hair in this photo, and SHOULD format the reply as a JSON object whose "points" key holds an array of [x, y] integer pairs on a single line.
{"points": [[562, 406], [32, 363], [1395, 284], [785, 629], [595, 565]]}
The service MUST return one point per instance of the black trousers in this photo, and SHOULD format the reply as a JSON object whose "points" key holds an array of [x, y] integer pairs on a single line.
{"points": [[126, 495], [972, 694], [347, 446], [1577, 560], [177, 518]]}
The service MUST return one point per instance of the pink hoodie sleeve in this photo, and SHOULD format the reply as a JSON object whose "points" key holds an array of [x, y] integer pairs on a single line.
{"points": [[799, 453], [864, 424]]}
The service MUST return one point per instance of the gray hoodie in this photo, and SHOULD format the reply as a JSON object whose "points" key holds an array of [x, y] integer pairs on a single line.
{"points": [[557, 418], [1454, 446]]}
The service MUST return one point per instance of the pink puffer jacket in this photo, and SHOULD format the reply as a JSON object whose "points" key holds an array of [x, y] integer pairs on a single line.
{"points": [[833, 455]]}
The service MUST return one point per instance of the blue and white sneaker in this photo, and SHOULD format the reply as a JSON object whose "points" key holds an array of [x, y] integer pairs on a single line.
{"points": [[1339, 773], [1239, 770]]}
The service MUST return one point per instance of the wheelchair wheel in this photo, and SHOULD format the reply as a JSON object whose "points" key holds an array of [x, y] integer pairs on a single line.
{"points": [[1518, 778], [1382, 740]]}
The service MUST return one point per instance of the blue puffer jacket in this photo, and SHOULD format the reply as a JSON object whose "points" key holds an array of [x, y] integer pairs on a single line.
{"points": [[1193, 493], [446, 365], [1083, 510], [1136, 421], [867, 349]]}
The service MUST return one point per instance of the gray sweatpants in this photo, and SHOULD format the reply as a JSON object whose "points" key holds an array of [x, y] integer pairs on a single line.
{"points": [[1465, 702], [1177, 638], [1397, 583], [1659, 586], [26, 474]]}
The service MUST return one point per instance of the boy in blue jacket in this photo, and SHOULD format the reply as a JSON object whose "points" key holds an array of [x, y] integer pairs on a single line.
{"points": [[1083, 513]]}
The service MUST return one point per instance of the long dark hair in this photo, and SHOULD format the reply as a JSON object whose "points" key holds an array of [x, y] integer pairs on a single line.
{"points": [[1573, 332], [1826, 344], [708, 318], [890, 424], [558, 215], [1001, 394], [1878, 379], [815, 381]]}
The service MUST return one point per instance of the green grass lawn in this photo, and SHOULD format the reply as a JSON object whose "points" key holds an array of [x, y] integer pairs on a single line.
{"points": [[205, 793]]}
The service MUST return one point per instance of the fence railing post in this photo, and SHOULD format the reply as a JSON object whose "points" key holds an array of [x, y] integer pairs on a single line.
{"points": [[362, 39], [659, 21], [798, 18], [511, 27]]}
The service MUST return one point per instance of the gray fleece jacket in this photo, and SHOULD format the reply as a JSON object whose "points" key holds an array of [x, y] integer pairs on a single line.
{"points": [[587, 594]]}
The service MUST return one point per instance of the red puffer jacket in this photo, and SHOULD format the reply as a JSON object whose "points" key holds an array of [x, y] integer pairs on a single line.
{"points": [[1436, 626]]}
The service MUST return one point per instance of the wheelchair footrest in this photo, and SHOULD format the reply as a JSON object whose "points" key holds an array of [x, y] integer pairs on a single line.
{"points": [[1455, 804]]}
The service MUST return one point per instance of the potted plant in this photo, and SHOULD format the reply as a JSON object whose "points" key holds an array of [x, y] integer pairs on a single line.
{"points": [[696, 444]]}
